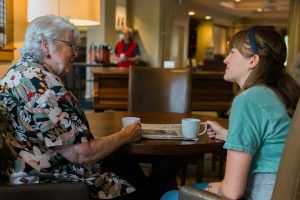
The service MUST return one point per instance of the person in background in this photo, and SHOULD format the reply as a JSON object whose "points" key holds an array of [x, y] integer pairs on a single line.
{"points": [[49, 138], [260, 116], [127, 50]]}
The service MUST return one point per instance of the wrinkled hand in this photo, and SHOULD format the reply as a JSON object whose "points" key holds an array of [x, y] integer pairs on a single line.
{"points": [[132, 132], [215, 130]]}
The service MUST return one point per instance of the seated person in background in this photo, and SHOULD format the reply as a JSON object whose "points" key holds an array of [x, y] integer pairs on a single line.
{"points": [[50, 137], [260, 116], [127, 50]]}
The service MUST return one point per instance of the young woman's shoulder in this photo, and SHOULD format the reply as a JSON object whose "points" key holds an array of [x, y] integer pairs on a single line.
{"points": [[260, 97], [258, 93]]}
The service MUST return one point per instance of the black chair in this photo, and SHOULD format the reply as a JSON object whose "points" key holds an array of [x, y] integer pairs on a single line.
{"points": [[287, 185]]}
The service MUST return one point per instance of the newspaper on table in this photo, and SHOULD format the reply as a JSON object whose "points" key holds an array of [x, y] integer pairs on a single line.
{"points": [[163, 132]]}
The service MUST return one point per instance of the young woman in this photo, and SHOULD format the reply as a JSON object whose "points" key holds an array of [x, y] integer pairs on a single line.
{"points": [[260, 115]]}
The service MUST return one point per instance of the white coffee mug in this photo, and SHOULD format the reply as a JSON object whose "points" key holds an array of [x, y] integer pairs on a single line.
{"points": [[190, 127], [129, 120], [122, 56]]}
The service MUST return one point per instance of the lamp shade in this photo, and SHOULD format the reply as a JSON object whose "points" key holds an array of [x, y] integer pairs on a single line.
{"points": [[80, 12]]}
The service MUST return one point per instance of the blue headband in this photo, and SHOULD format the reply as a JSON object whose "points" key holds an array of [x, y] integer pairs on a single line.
{"points": [[251, 36]]}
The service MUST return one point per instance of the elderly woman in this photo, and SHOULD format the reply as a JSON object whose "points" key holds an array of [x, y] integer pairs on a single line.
{"points": [[50, 139]]}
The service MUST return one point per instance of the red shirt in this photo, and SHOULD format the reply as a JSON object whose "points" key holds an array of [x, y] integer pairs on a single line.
{"points": [[130, 52]]}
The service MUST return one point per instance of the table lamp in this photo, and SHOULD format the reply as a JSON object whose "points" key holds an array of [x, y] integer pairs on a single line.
{"points": [[80, 12]]}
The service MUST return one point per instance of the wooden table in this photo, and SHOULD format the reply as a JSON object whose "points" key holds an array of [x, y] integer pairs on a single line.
{"points": [[105, 123], [209, 90]]}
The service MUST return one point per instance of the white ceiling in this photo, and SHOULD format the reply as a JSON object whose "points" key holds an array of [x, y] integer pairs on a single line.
{"points": [[273, 9]]}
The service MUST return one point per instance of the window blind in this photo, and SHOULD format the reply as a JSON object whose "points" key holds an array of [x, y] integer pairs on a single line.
{"points": [[2, 23]]}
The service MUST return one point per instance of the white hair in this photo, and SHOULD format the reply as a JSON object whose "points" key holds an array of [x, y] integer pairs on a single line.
{"points": [[127, 30], [49, 26]]}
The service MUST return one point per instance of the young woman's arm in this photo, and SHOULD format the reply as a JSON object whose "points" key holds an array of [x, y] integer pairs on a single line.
{"points": [[236, 174]]}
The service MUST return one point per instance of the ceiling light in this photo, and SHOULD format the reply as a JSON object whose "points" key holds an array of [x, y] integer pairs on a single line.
{"points": [[259, 10], [79, 12], [228, 4], [191, 13], [208, 17]]}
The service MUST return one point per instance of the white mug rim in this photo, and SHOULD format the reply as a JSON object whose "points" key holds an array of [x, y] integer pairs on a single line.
{"points": [[131, 118], [191, 119]]}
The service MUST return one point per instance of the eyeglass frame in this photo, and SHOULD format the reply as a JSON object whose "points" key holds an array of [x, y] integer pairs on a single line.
{"points": [[73, 45]]}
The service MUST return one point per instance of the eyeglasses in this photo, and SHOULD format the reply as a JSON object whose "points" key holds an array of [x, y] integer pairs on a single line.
{"points": [[73, 45]]}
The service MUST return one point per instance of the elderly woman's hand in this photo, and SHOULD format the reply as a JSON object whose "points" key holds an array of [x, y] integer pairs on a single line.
{"points": [[215, 130], [132, 132]]}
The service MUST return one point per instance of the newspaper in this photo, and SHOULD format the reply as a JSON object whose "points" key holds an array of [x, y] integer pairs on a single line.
{"points": [[163, 132]]}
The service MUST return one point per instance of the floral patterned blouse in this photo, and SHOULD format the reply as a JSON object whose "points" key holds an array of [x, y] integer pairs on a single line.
{"points": [[43, 113]]}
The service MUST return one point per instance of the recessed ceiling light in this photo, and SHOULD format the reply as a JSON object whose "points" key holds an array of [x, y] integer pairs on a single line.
{"points": [[191, 13], [259, 10], [237, 0], [208, 17], [228, 4]]}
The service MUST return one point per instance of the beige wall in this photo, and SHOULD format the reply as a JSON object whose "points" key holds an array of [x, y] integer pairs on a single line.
{"points": [[145, 24], [204, 39], [146, 21], [20, 24], [105, 32]]}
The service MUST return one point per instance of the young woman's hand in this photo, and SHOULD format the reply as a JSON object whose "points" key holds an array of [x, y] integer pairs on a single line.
{"points": [[214, 187], [215, 130]]}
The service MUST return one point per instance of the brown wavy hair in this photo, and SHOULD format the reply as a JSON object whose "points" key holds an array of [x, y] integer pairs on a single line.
{"points": [[270, 70]]}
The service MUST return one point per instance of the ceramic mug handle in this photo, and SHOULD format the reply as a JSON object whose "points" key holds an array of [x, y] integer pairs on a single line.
{"points": [[205, 125]]}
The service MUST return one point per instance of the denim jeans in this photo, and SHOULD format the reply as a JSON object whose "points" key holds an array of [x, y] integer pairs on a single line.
{"points": [[260, 186]]}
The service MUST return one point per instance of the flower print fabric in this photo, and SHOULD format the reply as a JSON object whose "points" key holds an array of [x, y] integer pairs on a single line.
{"points": [[44, 114]]}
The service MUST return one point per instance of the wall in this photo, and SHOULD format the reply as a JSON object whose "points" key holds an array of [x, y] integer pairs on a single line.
{"points": [[105, 32], [180, 14], [145, 19], [20, 24], [204, 39], [145, 24]]}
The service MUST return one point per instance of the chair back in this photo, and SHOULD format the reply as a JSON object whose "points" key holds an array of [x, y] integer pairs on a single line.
{"points": [[287, 184], [159, 90]]}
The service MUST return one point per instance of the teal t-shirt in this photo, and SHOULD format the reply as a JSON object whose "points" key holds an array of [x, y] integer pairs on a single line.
{"points": [[259, 126]]}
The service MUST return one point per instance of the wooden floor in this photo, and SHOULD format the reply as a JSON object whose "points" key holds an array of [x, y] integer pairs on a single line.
{"points": [[209, 174]]}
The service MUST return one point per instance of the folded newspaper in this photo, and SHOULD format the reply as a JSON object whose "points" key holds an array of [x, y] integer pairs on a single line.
{"points": [[163, 132]]}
